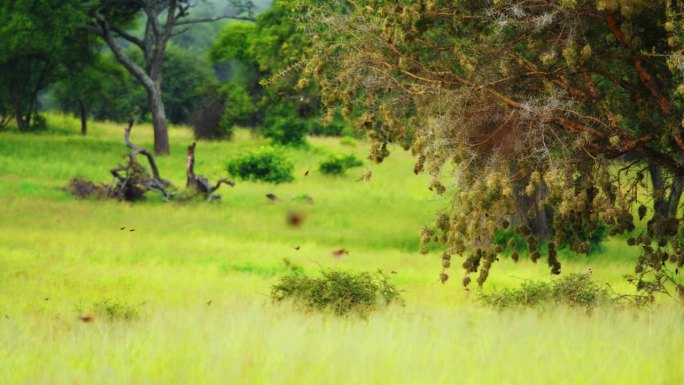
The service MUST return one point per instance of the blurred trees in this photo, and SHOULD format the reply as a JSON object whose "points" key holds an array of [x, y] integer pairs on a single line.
{"points": [[554, 112], [163, 19], [40, 44], [106, 91], [265, 60]]}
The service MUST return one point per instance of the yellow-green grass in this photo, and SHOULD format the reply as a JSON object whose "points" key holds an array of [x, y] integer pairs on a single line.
{"points": [[196, 278]]}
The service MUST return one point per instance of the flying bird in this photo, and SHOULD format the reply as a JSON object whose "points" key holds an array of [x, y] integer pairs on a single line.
{"points": [[306, 173], [297, 247], [86, 319], [294, 219], [271, 197], [340, 252]]}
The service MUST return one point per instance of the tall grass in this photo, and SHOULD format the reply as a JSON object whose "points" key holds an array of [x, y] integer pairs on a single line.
{"points": [[195, 279]]}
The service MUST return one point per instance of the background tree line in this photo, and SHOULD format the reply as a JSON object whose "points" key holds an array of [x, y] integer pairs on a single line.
{"points": [[157, 61]]}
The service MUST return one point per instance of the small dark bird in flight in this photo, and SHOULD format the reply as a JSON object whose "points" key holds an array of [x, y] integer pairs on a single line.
{"points": [[340, 252], [123, 228], [271, 197], [294, 219], [209, 302], [297, 247], [86, 319], [393, 272], [46, 299], [131, 230], [306, 173]]}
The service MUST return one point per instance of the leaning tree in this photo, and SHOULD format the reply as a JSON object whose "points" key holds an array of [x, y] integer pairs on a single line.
{"points": [[555, 114], [111, 19]]}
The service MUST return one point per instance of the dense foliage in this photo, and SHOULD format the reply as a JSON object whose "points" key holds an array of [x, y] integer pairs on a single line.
{"points": [[265, 58], [40, 44], [337, 164], [555, 114], [337, 291], [266, 164], [573, 290]]}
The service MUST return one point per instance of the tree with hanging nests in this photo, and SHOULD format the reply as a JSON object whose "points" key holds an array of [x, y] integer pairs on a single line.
{"points": [[560, 117]]}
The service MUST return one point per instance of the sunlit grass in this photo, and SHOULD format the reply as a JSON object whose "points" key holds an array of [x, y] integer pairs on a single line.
{"points": [[198, 276]]}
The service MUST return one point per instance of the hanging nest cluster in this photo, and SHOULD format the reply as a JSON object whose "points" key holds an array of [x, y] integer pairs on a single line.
{"points": [[133, 180]]}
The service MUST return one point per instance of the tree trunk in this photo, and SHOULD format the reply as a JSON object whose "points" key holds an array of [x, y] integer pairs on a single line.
{"points": [[665, 203], [84, 117], [675, 196], [161, 133], [658, 184], [23, 123]]}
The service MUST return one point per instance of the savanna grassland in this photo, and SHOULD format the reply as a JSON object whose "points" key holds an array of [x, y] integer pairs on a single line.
{"points": [[178, 293]]}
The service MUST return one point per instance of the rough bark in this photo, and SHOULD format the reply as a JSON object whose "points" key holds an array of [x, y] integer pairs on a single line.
{"points": [[161, 132]]}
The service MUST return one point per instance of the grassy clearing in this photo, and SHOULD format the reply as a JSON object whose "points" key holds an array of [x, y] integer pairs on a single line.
{"points": [[185, 297]]}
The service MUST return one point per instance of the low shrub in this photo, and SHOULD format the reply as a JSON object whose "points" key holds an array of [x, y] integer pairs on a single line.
{"points": [[338, 164], [39, 123], [339, 292], [112, 310], [574, 290], [265, 164], [334, 128]]}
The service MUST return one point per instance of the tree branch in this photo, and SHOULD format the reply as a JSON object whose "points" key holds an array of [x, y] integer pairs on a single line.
{"points": [[212, 19], [126, 36]]}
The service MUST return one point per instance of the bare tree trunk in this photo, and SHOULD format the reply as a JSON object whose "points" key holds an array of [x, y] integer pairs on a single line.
{"points": [[161, 132], [84, 117]]}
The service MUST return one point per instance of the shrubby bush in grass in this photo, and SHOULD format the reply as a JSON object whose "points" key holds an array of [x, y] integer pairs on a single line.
{"points": [[337, 291], [265, 164], [573, 290], [337, 164]]}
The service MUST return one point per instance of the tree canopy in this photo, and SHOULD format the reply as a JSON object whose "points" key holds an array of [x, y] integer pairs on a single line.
{"points": [[553, 112], [40, 40]]}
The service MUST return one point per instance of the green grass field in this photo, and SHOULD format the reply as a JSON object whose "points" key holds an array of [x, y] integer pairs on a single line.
{"points": [[184, 299]]}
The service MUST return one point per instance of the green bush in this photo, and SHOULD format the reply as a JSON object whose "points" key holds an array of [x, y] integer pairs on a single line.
{"points": [[338, 164], [334, 128], [574, 290], [38, 123], [286, 130], [117, 311], [337, 291], [265, 164]]}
